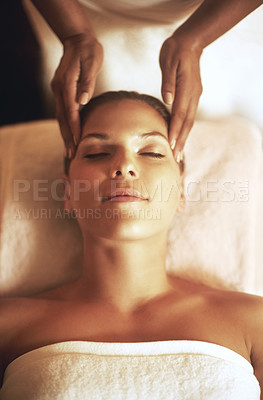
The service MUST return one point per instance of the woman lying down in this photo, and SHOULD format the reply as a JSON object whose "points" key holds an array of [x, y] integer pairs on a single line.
{"points": [[125, 329]]}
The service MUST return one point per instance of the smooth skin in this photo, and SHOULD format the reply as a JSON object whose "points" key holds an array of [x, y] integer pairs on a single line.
{"points": [[124, 293], [75, 78]]}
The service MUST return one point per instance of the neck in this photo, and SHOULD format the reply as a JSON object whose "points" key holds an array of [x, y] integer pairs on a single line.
{"points": [[125, 274]]}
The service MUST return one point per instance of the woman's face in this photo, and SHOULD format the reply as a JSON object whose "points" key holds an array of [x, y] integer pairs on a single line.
{"points": [[124, 181]]}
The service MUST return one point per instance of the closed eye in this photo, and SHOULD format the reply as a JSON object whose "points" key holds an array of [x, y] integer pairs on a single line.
{"points": [[152, 154], [147, 154], [96, 155]]}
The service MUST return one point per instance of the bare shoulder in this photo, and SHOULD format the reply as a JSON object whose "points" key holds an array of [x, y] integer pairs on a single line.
{"points": [[242, 308], [239, 299], [254, 319], [8, 311], [234, 299], [15, 315], [7, 315], [247, 308], [12, 310], [252, 312], [15, 312], [246, 311]]}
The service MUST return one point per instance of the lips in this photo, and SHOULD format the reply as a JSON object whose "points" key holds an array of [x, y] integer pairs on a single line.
{"points": [[124, 194]]}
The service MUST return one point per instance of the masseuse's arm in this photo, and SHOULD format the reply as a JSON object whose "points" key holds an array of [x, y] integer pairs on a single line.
{"points": [[75, 77], [180, 57]]}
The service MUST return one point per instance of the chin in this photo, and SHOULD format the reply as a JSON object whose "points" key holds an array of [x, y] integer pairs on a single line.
{"points": [[124, 222], [126, 229]]}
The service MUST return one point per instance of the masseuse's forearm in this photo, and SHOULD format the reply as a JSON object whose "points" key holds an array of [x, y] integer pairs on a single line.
{"points": [[213, 18], [65, 17]]}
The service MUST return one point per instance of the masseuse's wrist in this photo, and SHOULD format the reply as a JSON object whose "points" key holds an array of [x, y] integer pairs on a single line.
{"points": [[187, 41], [82, 37]]}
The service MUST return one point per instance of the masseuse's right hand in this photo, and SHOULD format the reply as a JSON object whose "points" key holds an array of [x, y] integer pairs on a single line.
{"points": [[74, 83]]}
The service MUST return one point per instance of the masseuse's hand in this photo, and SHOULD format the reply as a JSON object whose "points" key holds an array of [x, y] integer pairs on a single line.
{"points": [[181, 86], [74, 84]]}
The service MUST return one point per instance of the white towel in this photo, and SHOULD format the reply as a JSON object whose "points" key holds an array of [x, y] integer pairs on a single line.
{"points": [[181, 370], [218, 227], [213, 241]]}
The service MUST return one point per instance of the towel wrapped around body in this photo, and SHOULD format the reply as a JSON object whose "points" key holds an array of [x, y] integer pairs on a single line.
{"points": [[180, 369]]}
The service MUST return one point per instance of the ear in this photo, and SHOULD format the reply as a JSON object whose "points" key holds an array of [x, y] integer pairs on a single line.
{"points": [[67, 203]]}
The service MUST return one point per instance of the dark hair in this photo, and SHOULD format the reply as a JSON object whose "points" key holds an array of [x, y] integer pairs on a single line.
{"points": [[111, 96]]}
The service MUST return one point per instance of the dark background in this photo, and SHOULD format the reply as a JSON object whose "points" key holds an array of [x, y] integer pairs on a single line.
{"points": [[20, 67]]}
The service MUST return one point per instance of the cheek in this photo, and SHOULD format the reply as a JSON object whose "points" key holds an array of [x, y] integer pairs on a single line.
{"points": [[171, 197], [165, 184], [166, 196], [85, 185]]}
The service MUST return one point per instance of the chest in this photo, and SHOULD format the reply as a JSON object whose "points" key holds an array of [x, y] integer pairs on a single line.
{"points": [[59, 322]]}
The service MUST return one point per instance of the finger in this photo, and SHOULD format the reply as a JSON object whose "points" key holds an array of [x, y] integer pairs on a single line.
{"points": [[63, 124], [71, 107], [83, 98], [179, 114], [84, 95], [168, 84], [186, 128], [64, 88], [87, 80]]}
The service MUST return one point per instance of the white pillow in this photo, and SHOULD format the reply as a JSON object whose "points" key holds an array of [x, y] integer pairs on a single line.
{"points": [[212, 241]]}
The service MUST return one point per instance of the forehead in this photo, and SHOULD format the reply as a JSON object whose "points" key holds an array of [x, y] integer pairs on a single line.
{"points": [[124, 117]]}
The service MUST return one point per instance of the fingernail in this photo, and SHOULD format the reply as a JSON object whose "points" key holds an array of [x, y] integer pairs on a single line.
{"points": [[168, 98], [84, 98], [172, 144], [180, 157]]}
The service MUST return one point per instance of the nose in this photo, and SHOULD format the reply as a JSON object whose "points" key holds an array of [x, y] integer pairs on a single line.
{"points": [[123, 166]]}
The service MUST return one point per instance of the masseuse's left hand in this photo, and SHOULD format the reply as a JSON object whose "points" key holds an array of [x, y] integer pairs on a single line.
{"points": [[181, 86]]}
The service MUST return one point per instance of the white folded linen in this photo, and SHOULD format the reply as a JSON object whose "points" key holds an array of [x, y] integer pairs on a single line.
{"points": [[212, 241], [168, 370]]}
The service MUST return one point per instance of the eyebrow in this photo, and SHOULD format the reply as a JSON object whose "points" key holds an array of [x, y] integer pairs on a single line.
{"points": [[105, 136]]}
